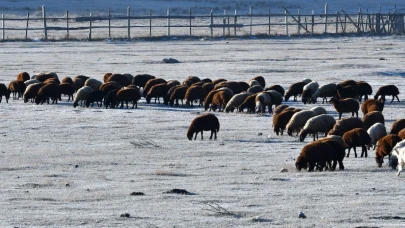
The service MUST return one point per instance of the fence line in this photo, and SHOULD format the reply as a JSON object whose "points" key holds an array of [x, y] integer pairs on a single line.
{"points": [[131, 26]]}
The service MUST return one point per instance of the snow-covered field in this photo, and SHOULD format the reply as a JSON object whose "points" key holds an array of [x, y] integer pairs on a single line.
{"points": [[62, 166]]}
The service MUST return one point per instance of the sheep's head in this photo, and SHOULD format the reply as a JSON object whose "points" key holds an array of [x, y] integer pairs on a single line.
{"points": [[190, 135], [303, 135], [393, 162], [286, 97], [333, 100], [289, 131], [375, 97], [300, 163], [148, 98], [277, 131]]}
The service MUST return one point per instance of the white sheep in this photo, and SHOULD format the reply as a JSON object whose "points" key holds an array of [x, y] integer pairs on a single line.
{"points": [[397, 158], [308, 90], [262, 100], [253, 83], [236, 101], [82, 95], [338, 139], [298, 120], [93, 83], [321, 123], [328, 90], [306, 80], [255, 89], [319, 110], [376, 132], [276, 97], [31, 81]]}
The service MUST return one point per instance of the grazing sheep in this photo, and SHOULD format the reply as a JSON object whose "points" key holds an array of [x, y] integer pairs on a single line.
{"points": [[220, 100], [173, 83], [82, 95], [151, 83], [346, 105], [294, 90], [397, 159], [120, 79], [46, 92], [306, 80], [255, 89], [298, 121], [31, 81], [308, 90], [128, 95], [357, 137], [249, 103], [96, 96], [208, 87], [376, 132], [156, 91], [4, 92], [385, 146], [244, 85], [208, 98], [82, 77], [318, 110], [363, 89], [195, 94], [346, 124], [42, 77], [261, 81], [390, 90], [194, 79], [109, 86], [78, 83], [254, 83], [67, 89], [325, 91], [234, 86], [93, 83], [140, 80], [315, 154], [372, 105], [397, 126], [277, 88], [178, 93], [236, 101], [349, 82], [129, 76], [110, 99], [276, 98], [373, 117], [23, 76], [217, 81], [321, 123], [281, 120], [338, 139], [67, 80], [32, 91], [17, 88], [401, 134], [205, 122], [52, 80], [206, 80], [279, 109], [262, 100], [344, 92], [338, 152], [106, 76]]}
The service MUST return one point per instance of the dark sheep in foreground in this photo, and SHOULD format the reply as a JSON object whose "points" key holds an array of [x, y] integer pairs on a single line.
{"points": [[157, 91], [277, 88], [206, 122], [140, 80], [194, 94], [294, 90], [373, 117], [32, 91], [110, 99], [279, 109], [372, 105], [96, 96], [346, 124], [220, 100], [281, 120], [23, 76], [46, 92], [128, 95], [349, 91], [363, 89], [315, 154], [151, 83], [387, 90], [4, 92], [357, 137], [397, 126], [338, 152], [385, 146], [346, 105], [17, 88]]}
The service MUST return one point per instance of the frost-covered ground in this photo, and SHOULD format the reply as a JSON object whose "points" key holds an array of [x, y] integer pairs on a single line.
{"points": [[62, 166]]}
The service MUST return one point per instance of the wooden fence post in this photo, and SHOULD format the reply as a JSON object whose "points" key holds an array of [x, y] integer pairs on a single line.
{"points": [[286, 22], [3, 26], [269, 21], [337, 22], [189, 13], [150, 23], [235, 20], [326, 18], [44, 18], [26, 28], [90, 26], [224, 24], [299, 22], [109, 24], [212, 23], [250, 15], [129, 22], [312, 22], [168, 22], [67, 24]]}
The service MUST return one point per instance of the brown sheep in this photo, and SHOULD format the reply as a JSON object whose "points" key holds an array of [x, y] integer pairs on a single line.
{"points": [[260, 80], [151, 83], [106, 76], [82, 77], [206, 80], [67, 89], [281, 120], [349, 91], [234, 86], [219, 80], [42, 77], [46, 92], [220, 100], [373, 117], [205, 122], [372, 105], [346, 105], [339, 152], [245, 86], [140, 80], [401, 134], [208, 98], [397, 126], [346, 124], [249, 103], [277, 88], [385, 146], [173, 83], [17, 88], [4, 92], [193, 94], [78, 83], [178, 93], [120, 78], [357, 137], [156, 91], [294, 90], [363, 89], [194, 79], [208, 87], [128, 95], [348, 82], [67, 80], [279, 109], [32, 91], [315, 154], [23, 76], [390, 90], [109, 86]]}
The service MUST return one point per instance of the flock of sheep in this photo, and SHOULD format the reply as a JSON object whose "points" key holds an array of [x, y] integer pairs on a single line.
{"points": [[253, 96]]}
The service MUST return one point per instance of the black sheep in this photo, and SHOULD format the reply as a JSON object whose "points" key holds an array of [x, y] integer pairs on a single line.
{"points": [[205, 122]]}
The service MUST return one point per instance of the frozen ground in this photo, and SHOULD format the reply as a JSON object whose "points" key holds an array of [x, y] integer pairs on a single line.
{"points": [[66, 167]]}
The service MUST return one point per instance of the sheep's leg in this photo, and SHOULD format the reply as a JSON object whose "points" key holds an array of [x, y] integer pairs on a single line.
{"points": [[215, 134], [195, 137], [311, 166], [355, 153], [397, 98], [363, 150], [348, 152], [212, 133], [399, 166], [201, 135], [334, 165], [357, 114]]}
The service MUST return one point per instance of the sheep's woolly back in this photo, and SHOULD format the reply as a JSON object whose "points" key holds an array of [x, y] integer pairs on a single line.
{"points": [[276, 97], [319, 110], [262, 100], [31, 81], [279, 109], [346, 124], [356, 137], [306, 80], [338, 139], [82, 94], [386, 144], [255, 89], [321, 123], [376, 132], [397, 126], [253, 82], [328, 90], [373, 117], [93, 83], [313, 86], [299, 119], [236, 100], [399, 146]]}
